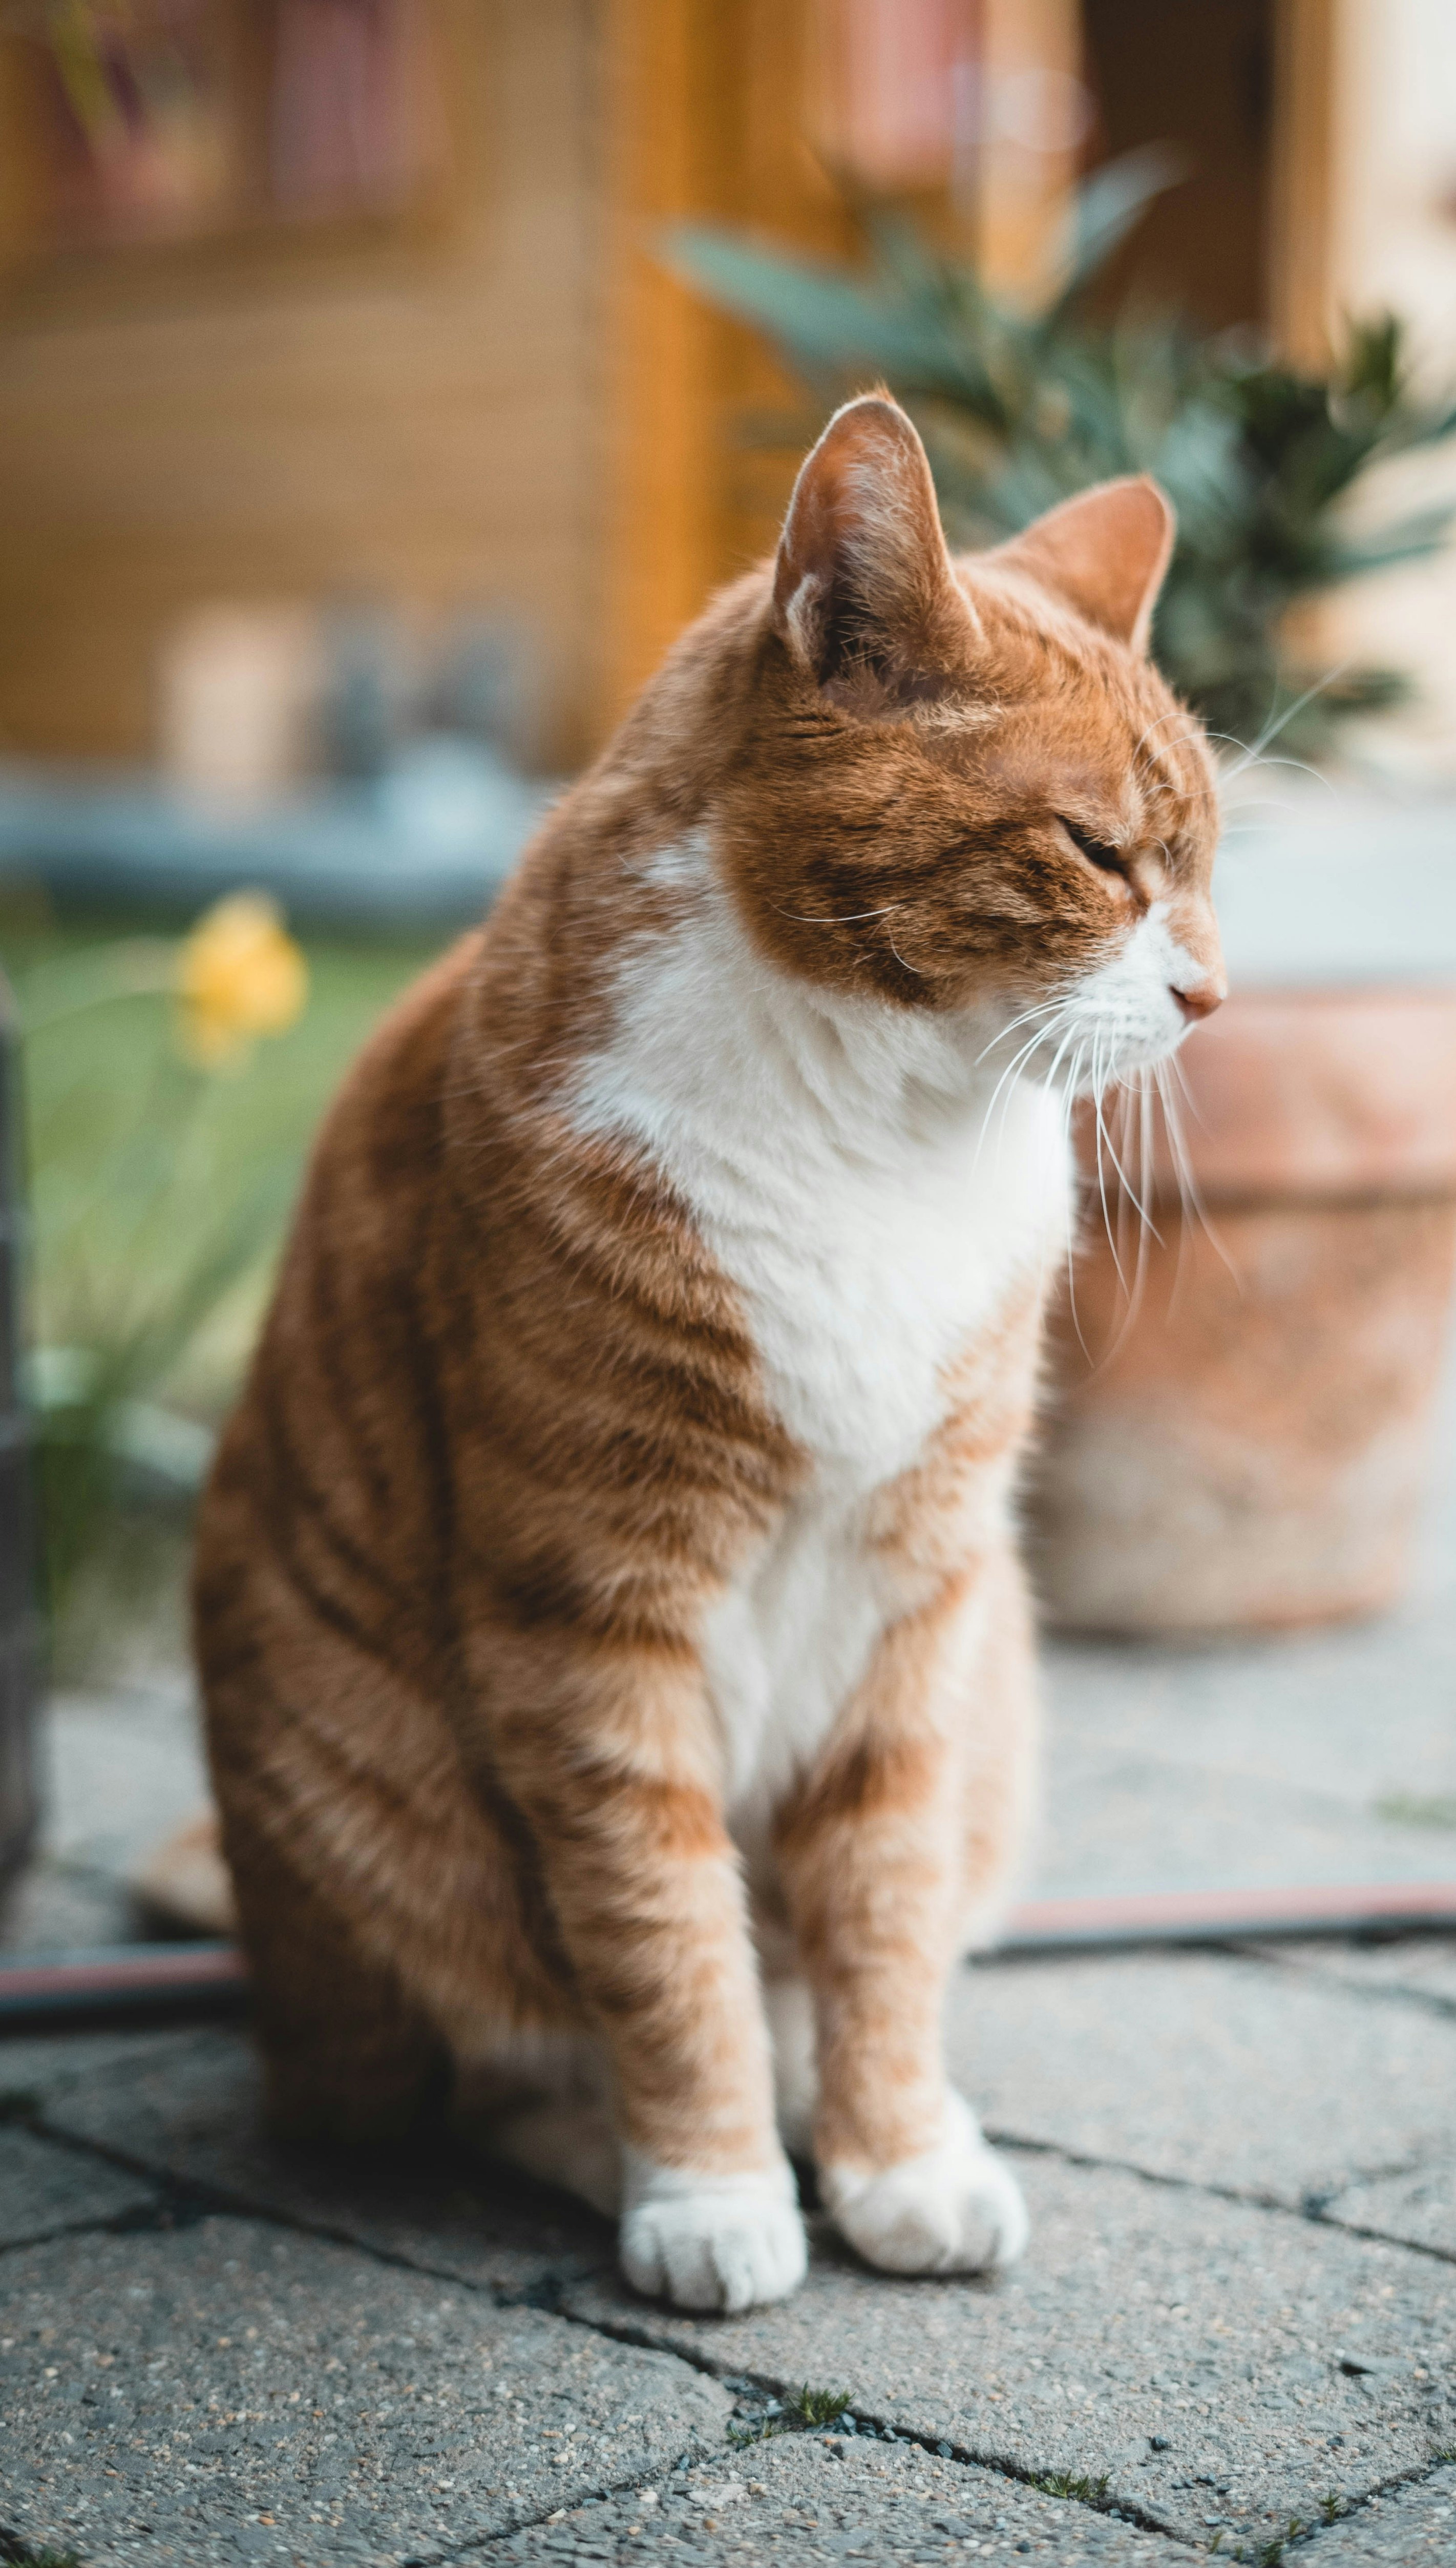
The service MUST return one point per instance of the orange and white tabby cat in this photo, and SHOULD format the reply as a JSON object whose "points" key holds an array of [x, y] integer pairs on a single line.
{"points": [[618, 1664]]}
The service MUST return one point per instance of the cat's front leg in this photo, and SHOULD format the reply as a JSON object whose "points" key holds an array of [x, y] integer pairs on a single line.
{"points": [[616, 1770], [873, 1859]]}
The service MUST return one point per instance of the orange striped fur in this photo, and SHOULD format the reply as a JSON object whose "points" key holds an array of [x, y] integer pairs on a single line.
{"points": [[616, 1661]]}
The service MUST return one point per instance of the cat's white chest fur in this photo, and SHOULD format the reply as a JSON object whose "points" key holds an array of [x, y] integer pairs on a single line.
{"points": [[876, 1211]]}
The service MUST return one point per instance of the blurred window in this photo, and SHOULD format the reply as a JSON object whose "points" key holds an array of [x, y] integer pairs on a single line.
{"points": [[173, 120], [894, 90], [134, 135], [353, 112]]}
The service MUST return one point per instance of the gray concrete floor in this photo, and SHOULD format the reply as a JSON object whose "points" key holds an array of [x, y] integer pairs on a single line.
{"points": [[1234, 2334]]}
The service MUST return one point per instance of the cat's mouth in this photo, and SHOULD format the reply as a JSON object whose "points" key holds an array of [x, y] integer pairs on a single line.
{"points": [[1131, 1015], [1110, 1054]]}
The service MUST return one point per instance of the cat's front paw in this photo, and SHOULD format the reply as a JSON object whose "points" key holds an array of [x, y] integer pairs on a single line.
{"points": [[710, 2243], [956, 2209]]}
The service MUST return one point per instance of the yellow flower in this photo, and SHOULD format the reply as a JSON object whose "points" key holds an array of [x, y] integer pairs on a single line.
{"points": [[239, 975]]}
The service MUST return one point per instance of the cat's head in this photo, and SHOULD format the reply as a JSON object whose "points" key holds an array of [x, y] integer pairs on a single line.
{"points": [[963, 786]]}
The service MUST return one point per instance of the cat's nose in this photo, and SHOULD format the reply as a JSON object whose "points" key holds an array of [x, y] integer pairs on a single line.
{"points": [[1200, 1001]]}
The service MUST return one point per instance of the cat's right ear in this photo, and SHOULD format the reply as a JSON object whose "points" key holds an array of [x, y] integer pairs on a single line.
{"points": [[863, 592]]}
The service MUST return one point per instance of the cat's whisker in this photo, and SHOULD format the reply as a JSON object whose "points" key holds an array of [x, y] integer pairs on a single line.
{"points": [[1130, 1190], [1146, 1230], [1068, 1109], [1154, 768], [842, 918], [1049, 1007], [1189, 1099], [1142, 753], [1068, 1038], [1043, 1035], [1190, 1191], [1273, 729], [1146, 1169], [1098, 1137], [1172, 715], [1299, 765], [900, 958], [854, 918]]}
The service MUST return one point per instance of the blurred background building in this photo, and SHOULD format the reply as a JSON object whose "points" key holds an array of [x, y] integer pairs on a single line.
{"points": [[308, 301]]}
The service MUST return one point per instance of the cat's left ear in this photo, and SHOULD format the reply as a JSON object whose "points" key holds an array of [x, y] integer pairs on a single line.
{"points": [[863, 592], [1105, 553]]}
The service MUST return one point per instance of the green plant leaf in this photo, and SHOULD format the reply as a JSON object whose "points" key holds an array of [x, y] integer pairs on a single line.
{"points": [[1107, 206], [1020, 410]]}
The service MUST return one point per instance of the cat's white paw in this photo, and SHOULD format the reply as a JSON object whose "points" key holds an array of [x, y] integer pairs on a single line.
{"points": [[710, 2243], [957, 2209]]}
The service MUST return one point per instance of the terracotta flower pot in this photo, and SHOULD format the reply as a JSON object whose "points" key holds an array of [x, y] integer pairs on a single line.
{"points": [[1246, 1441]]}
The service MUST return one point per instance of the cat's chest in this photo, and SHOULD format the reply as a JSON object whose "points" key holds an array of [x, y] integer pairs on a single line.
{"points": [[867, 1284], [876, 1209], [877, 1300]]}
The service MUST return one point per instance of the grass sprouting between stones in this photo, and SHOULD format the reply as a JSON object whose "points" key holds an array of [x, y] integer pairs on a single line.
{"points": [[803, 2411], [1082, 2491], [818, 2407]]}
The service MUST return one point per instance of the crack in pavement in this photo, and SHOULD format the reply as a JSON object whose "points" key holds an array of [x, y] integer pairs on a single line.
{"points": [[183, 2201], [1386, 1992], [1249, 2197]]}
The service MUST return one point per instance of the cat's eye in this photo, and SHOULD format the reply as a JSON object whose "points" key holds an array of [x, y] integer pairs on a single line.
{"points": [[1107, 860]]}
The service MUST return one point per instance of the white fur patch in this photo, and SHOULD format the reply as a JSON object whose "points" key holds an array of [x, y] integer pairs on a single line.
{"points": [[839, 1162], [954, 2209], [1126, 1015], [710, 2243]]}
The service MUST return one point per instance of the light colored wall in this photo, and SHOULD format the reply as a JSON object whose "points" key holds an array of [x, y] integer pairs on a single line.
{"points": [[1392, 244]]}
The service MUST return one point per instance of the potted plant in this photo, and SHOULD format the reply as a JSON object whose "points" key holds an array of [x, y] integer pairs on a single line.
{"points": [[1242, 1397]]}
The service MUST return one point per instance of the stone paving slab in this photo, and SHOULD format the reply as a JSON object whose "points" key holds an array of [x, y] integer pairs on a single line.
{"points": [[38, 2068], [1206, 2068], [233, 2393], [127, 1767], [1142, 2311], [67, 1908], [1138, 1824], [1253, 1761], [45, 2188], [190, 2109], [1408, 2527], [1419, 1967], [800, 2498], [1290, 1710], [1419, 2206]]}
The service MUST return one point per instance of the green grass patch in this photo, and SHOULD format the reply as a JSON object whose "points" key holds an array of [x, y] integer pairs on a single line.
{"points": [[102, 1081], [1273, 2551], [159, 1193], [803, 2411], [812, 2407], [1083, 2491]]}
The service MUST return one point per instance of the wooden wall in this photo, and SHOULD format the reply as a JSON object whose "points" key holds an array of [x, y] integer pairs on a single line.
{"points": [[502, 400], [704, 111], [412, 412], [506, 401]]}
